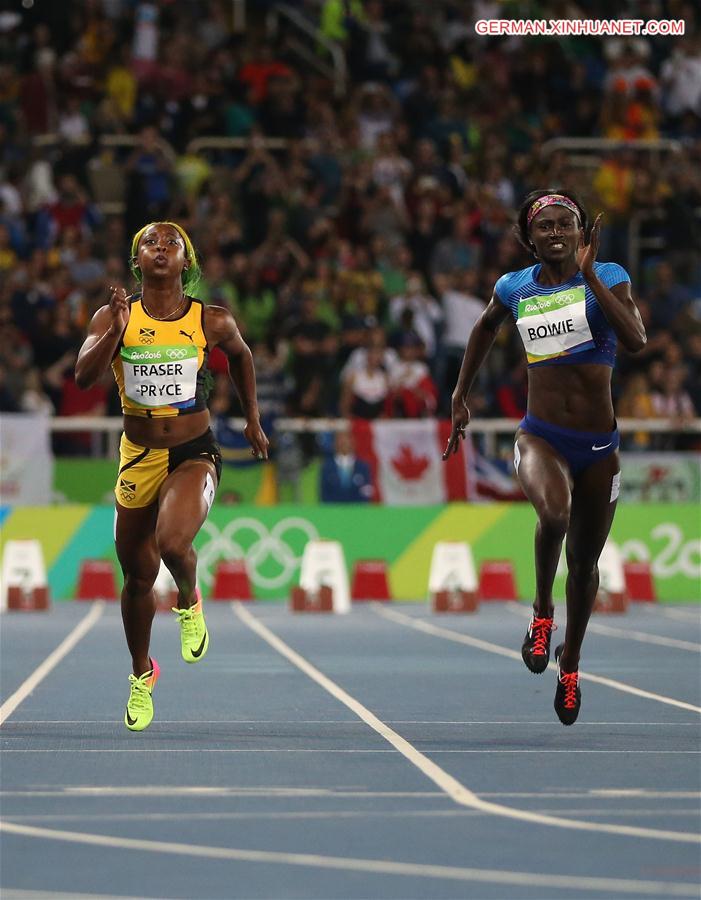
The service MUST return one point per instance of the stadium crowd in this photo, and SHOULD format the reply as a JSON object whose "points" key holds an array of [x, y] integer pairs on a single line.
{"points": [[357, 249]]}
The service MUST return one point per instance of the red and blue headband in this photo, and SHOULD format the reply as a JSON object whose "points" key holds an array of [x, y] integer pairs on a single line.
{"points": [[552, 200]]}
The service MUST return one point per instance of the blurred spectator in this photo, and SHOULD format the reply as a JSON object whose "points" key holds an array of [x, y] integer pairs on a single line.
{"points": [[512, 393], [34, 399], [72, 209], [671, 399], [680, 75], [388, 199], [427, 313], [457, 252], [636, 403], [215, 286], [364, 391], [313, 347], [669, 299], [8, 399], [149, 190], [413, 393], [8, 257], [258, 308], [344, 478], [375, 339], [38, 93]]}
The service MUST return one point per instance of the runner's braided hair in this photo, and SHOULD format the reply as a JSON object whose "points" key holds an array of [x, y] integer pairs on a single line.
{"points": [[190, 275], [521, 230]]}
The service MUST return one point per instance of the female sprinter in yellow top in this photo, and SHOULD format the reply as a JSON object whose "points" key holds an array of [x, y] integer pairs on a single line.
{"points": [[157, 344]]}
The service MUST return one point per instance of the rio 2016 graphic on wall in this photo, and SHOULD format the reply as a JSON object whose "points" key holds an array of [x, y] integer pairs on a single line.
{"points": [[272, 540]]}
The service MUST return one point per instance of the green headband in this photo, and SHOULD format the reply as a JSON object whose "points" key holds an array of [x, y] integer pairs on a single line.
{"points": [[190, 275]]}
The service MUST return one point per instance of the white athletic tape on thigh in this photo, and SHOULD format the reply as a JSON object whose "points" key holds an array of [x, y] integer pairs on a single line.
{"points": [[208, 492], [517, 457], [615, 486]]}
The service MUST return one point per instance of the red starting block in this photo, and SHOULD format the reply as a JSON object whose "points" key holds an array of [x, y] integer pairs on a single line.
{"points": [[370, 580], [611, 602], [455, 601], [96, 580], [231, 581], [640, 584], [497, 580], [28, 599], [320, 600]]}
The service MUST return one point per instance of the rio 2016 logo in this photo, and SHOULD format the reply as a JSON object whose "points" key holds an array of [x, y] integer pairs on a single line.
{"points": [[175, 353], [676, 557], [272, 556]]}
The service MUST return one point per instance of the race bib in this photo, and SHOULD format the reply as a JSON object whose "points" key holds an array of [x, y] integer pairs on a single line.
{"points": [[555, 324], [160, 376]]}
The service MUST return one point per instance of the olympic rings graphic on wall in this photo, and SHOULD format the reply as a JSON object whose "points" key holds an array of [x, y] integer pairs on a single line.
{"points": [[247, 538]]}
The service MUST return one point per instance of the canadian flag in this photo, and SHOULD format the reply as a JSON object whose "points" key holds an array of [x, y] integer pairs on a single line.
{"points": [[405, 458]]}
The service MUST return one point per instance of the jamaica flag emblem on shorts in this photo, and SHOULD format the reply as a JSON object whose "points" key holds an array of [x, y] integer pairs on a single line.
{"points": [[127, 490], [147, 335]]}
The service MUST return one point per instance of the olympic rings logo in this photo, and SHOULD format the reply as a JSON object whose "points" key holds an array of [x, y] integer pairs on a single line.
{"points": [[263, 549], [177, 354]]}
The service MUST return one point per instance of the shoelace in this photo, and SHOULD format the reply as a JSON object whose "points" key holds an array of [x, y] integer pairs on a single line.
{"points": [[570, 680], [140, 693], [187, 621], [540, 631]]}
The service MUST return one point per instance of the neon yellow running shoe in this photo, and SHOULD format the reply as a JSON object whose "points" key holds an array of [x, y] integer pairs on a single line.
{"points": [[139, 710], [194, 637]]}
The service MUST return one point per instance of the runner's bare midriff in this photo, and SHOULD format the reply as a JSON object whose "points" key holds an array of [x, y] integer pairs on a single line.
{"points": [[571, 396], [165, 431]]}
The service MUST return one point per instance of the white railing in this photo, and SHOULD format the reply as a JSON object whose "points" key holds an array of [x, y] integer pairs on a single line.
{"points": [[113, 426], [599, 145], [636, 242], [306, 40]]}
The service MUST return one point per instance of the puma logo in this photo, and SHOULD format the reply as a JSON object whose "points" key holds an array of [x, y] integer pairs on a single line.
{"points": [[185, 334]]}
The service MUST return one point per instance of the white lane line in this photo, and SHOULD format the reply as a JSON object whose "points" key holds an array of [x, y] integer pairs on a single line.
{"points": [[52, 660], [521, 723], [452, 787], [76, 750], [19, 894], [642, 637], [452, 813], [324, 750], [371, 866], [340, 793], [686, 615], [460, 638], [88, 792]]}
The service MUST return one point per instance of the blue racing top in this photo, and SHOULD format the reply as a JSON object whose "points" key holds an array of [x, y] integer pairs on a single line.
{"points": [[561, 324]]}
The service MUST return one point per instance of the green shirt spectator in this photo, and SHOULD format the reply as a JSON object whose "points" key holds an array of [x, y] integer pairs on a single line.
{"points": [[334, 15], [216, 288]]}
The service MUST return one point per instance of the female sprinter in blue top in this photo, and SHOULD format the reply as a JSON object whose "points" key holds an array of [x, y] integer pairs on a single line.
{"points": [[157, 343], [570, 310]]}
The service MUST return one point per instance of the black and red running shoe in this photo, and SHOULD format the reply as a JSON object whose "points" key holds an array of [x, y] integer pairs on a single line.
{"points": [[536, 645], [568, 697]]}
